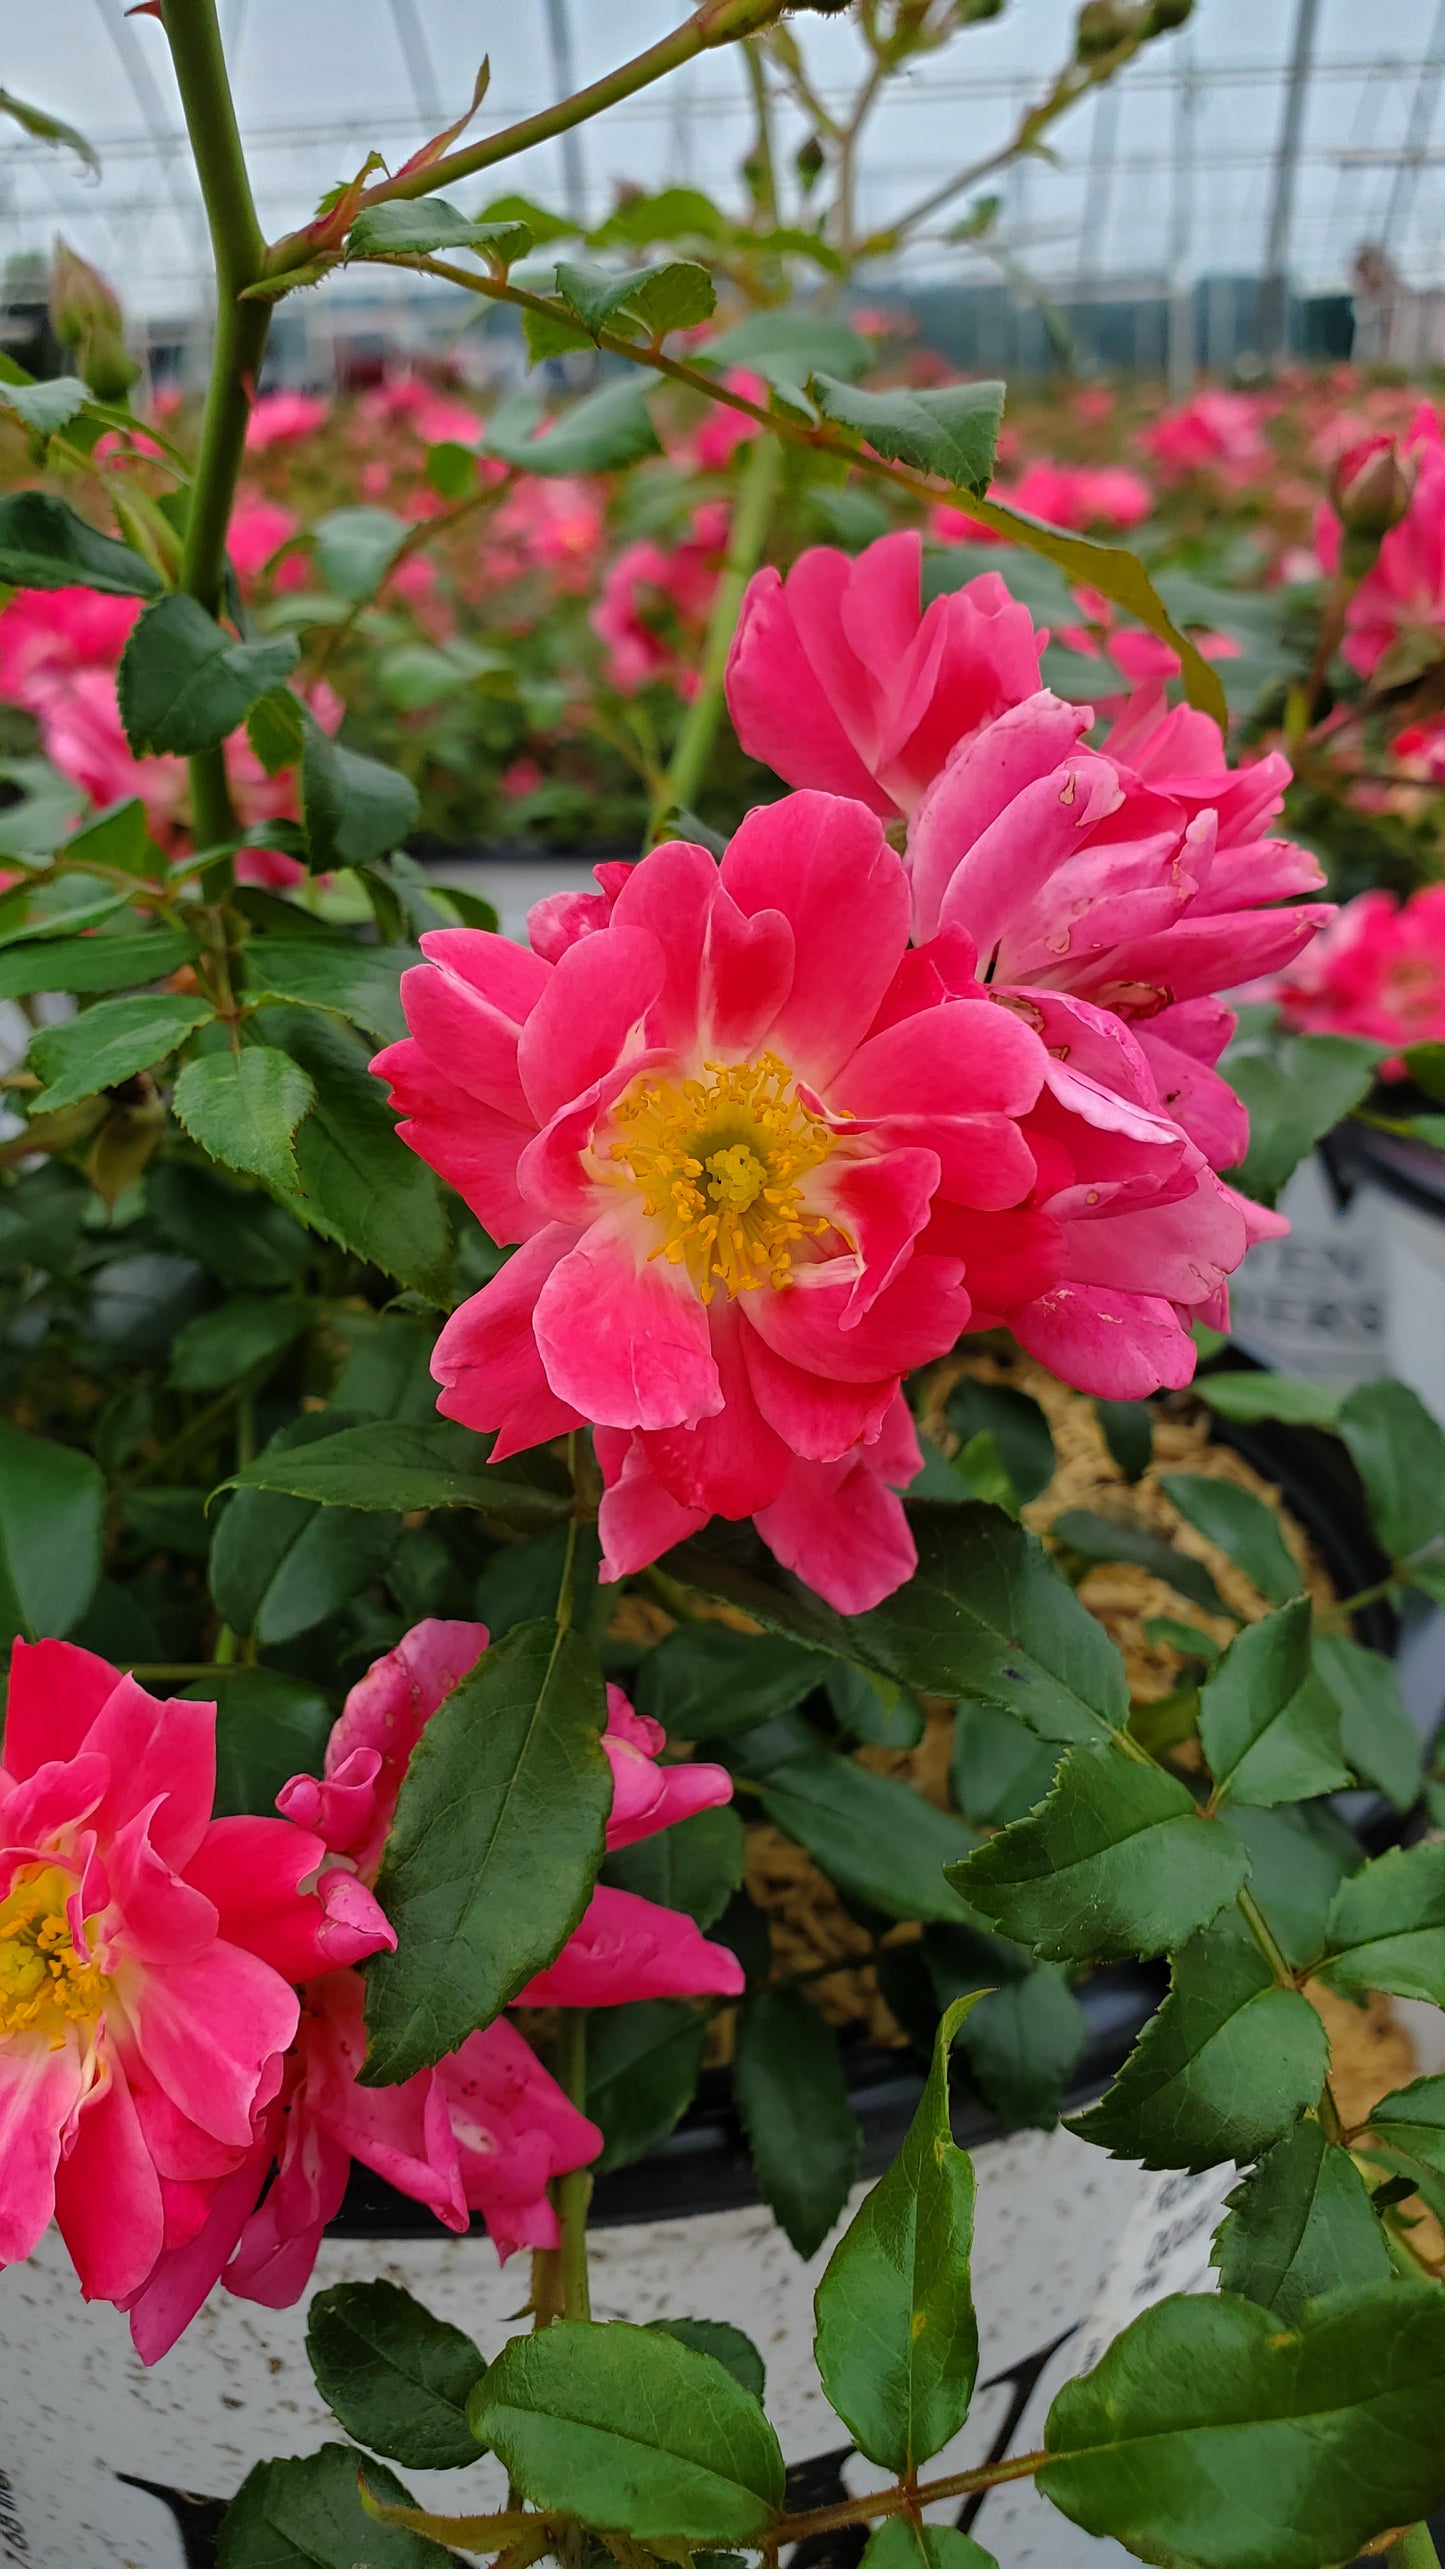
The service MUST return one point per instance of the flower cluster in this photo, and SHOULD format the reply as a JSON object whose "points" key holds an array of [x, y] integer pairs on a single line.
{"points": [[1378, 970], [1395, 616], [164, 2091], [771, 1133]]}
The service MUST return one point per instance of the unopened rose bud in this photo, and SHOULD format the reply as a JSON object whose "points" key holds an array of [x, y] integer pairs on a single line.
{"points": [[1166, 15], [809, 162], [86, 317], [1103, 25], [1371, 487]]}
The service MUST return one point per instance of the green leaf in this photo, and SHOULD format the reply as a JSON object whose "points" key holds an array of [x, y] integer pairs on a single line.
{"points": [[46, 406], [791, 2091], [44, 545], [543, 226], [1377, 1736], [396, 2379], [694, 1867], [109, 1043], [1020, 1431], [306, 2514], [410, 228], [494, 1849], [873, 1835], [354, 808], [785, 348], [1296, 1088], [269, 1727], [1270, 1727], [1118, 1861], [355, 548], [217, 1346], [706, 1681], [1128, 1431], [643, 2064], [1299, 1855], [899, 2543], [1398, 1449], [875, 1709], [1261, 1395], [1386, 1927], [184, 683], [243, 1108], [93, 963], [1241, 1526], [51, 1504], [1409, 2132], [897, 2343], [279, 1567], [1225, 2067], [358, 1184], [726, 2345], [1163, 1632], [630, 2429], [673, 296], [671, 214], [401, 1464], [1208, 2434], [360, 982], [952, 432], [1024, 2043], [1301, 2224], [1095, 1537], [601, 434], [48, 129], [999, 1770]]}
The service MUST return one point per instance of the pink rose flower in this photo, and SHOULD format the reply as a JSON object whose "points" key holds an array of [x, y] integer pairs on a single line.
{"points": [[1071, 495], [484, 2130], [1216, 432], [146, 1956], [839, 678], [1395, 618], [284, 419], [653, 609], [1378, 971]]}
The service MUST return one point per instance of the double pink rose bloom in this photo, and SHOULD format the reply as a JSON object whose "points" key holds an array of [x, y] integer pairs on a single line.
{"points": [[771, 1133], [165, 2093]]}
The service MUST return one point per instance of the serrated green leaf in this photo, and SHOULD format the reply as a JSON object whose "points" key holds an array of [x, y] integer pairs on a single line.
{"points": [[1296, 1088], [276, 729], [269, 1727], [1095, 1537], [496, 1843], [1018, 1426], [184, 683], [44, 545], [1226, 2066], [1398, 1449], [1408, 2129], [785, 348], [1378, 1738], [601, 434], [669, 214], [305, 2513], [1209, 2435], [1024, 2043], [359, 982], [1299, 2226], [109, 1043], [673, 296], [643, 2065], [354, 808], [243, 1108], [952, 431], [726, 2345], [791, 2091], [694, 1867], [1241, 1526], [358, 1184], [874, 1709], [631, 2429], [355, 548], [999, 1770], [412, 227], [46, 406], [897, 2342], [51, 1504], [404, 1464], [93, 963], [1117, 1861], [279, 1566], [706, 1681], [1386, 1927], [873, 1835], [396, 2378], [1270, 1728]]}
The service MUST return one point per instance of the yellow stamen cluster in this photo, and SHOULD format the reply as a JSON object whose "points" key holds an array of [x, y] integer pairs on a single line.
{"points": [[45, 1984], [722, 1162]]}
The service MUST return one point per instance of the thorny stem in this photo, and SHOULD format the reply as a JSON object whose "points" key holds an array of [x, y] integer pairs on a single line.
{"points": [[239, 249], [1334, 1618], [1331, 2121], [746, 540], [906, 2501], [716, 22]]}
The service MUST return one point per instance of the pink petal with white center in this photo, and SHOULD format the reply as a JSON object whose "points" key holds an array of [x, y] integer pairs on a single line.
{"points": [[638, 1519], [914, 1319], [960, 1058], [255, 1869], [880, 1204], [53, 1797], [1117, 1346], [817, 1419], [827, 867], [627, 1948], [56, 1691], [624, 1338], [589, 1016], [731, 1463], [727, 975], [156, 1917], [469, 1040], [487, 1359], [163, 1755], [206, 2029], [950, 849], [107, 2193], [474, 1147], [39, 2092], [404, 2132]]}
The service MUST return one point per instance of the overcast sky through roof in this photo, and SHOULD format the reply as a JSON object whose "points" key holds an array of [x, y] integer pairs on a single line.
{"points": [[1184, 153]]}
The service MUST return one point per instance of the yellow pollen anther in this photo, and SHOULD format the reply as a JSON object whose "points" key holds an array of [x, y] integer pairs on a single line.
{"points": [[45, 1984], [722, 1163]]}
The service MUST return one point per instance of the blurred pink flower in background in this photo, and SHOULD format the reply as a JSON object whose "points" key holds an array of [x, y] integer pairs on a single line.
{"points": [[1069, 495], [653, 607], [283, 419], [557, 526], [409, 401], [1216, 432], [1379, 970], [1395, 617]]}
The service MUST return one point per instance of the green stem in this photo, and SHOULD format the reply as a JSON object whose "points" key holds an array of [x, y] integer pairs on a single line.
{"points": [[1415, 2550], [567, 1586], [573, 2193], [767, 186], [749, 534], [1340, 1613], [716, 22], [238, 248]]}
